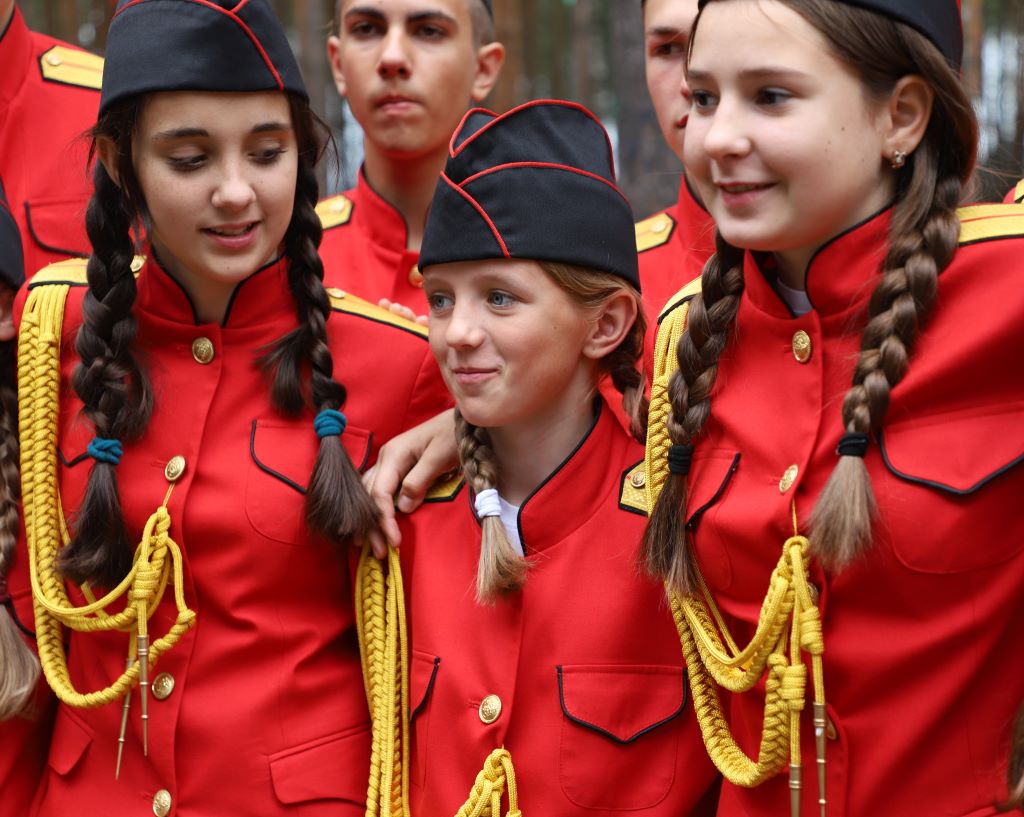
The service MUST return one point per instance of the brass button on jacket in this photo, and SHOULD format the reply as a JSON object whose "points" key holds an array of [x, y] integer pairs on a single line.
{"points": [[202, 350], [788, 478], [490, 709], [415, 276], [801, 346], [638, 480], [163, 686], [174, 469], [162, 803]]}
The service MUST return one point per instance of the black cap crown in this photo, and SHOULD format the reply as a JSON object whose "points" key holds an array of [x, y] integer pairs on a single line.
{"points": [[537, 182], [938, 20], [196, 45]]}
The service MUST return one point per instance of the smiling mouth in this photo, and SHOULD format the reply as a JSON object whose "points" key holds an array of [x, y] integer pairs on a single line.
{"points": [[743, 188], [232, 232]]}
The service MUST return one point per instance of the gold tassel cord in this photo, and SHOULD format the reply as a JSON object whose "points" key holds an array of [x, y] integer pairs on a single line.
{"points": [[157, 559], [496, 779], [789, 627]]}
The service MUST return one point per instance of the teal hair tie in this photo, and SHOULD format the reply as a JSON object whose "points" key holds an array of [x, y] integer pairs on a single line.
{"points": [[329, 423], [103, 450]]}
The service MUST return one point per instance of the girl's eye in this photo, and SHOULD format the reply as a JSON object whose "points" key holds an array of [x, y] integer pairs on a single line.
{"points": [[268, 156], [500, 300], [187, 163], [772, 96], [439, 302], [702, 99], [672, 48]]}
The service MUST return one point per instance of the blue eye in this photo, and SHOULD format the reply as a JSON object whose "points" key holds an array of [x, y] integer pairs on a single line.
{"points": [[499, 299], [439, 302]]}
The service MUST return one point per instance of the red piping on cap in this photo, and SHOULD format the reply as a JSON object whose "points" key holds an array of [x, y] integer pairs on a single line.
{"points": [[238, 21], [548, 165], [481, 211], [454, 151]]}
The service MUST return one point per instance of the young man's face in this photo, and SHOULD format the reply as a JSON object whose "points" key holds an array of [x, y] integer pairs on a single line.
{"points": [[409, 69], [667, 26]]}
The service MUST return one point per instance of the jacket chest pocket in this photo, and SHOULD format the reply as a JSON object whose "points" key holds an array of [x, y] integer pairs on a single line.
{"points": [[951, 489], [281, 459], [422, 675], [620, 734]]}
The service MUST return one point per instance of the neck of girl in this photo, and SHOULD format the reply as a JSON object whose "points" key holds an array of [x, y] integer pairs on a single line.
{"points": [[407, 184], [527, 453]]}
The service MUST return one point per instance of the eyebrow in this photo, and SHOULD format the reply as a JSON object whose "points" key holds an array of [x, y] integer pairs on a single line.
{"points": [[192, 133], [667, 31], [751, 73], [417, 17]]}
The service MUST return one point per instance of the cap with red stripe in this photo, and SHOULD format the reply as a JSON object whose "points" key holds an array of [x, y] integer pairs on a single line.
{"points": [[196, 45], [938, 20], [537, 182]]}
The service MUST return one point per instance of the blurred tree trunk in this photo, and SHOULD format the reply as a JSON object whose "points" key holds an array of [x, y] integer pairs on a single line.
{"points": [[974, 33], [583, 73], [508, 29], [648, 171]]}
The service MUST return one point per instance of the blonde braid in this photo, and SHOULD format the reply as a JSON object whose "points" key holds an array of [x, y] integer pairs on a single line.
{"points": [[501, 569]]}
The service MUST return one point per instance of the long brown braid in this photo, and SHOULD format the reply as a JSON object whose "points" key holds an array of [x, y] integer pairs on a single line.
{"points": [[19, 668]]}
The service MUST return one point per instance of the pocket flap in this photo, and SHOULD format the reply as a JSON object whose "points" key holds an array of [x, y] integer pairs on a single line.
{"points": [[957, 452], [422, 674], [621, 702], [709, 477], [272, 445], [334, 767], [70, 739], [58, 225]]}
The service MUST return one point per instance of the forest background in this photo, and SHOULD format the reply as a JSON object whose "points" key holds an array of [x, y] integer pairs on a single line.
{"points": [[591, 51]]}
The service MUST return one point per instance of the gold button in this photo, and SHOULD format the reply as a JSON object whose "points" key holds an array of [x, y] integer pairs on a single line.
{"points": [[638, 480], [801, 346], [162, 803], [334, 292], [137, 263], [659, 226], [830, 730], [175, 468], [53, 59], [163, 686], [788, 478], [202, 350], [338, 206], [814, 592], [415, 276], [490, 709]]}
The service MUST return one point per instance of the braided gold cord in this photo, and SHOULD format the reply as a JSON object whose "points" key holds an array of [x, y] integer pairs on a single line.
{"points": [[46, 529], [496, 779], [383, 646], [788, 627]]}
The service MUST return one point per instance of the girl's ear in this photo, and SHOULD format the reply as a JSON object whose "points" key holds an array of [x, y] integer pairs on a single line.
{"points": [[106, 151], [909, 110], [612, 324]]}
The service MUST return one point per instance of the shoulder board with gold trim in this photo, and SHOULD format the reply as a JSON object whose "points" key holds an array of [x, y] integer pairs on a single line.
{"points": [[987, 222], [72, 272], [654, 231], [680, 297], [335, 211], [632, 496], [69, 66], [342, 301], [1016, 196], [446, 488]]}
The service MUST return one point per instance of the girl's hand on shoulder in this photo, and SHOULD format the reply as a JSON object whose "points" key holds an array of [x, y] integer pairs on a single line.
{"points": [[405, 469], [402, 311]]}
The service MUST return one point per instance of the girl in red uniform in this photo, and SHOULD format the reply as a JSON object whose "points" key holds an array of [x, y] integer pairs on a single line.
{"points": [[532, 631], [849, 373], [203, 420]]}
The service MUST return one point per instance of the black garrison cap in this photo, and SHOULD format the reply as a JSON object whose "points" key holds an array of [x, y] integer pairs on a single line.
{"points": [[196, 45], [537, 182], [938, 20], [12, 261]]}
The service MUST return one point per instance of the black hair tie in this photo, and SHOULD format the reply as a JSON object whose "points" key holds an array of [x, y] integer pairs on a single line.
{"points": [[679, 458], [853, 444], [5, 596]]}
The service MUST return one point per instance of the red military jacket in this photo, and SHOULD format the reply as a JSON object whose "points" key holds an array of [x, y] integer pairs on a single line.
{"points": [[583, 665], [923, 668], [260, 709], [364, 248], [49, 94]]}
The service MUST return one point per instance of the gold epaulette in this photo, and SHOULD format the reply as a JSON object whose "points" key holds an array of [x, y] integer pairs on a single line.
{"points": [[69, 66], [1018, 192], [986, 222], [632, 496], [342, 301], [335, 211], [72, 272], [681, 297], [654, 231], [446, 488]]}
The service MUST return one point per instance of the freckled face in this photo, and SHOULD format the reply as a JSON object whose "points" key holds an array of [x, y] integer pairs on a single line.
{"points": [[218, 173], [783, 144]]}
